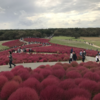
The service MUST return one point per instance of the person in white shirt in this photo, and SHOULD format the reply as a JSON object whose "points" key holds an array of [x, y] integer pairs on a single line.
{"points": [[71, 55], [97, 58]]}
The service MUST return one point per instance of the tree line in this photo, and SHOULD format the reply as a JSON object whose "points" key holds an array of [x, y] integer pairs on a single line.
{"points": [[41, 33]]}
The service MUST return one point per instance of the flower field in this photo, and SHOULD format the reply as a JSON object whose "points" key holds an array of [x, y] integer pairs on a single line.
{"points": [[54, 52], [57, 82], [13, 43]]}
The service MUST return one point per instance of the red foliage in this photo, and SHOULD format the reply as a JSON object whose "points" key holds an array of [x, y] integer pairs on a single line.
{"points": [[97, 97], [8, 74], [55, 67], [49, 81], [3, 80], [15, 69], [45, 72], [32, 83], [74, 63], [73, 74], [72, 93], [38, 76], [60, 73], [52, 93], [67, 84], [80, 98], [8, 89], [66, 66], [89, 85], [24, 94], [17, 79], [92, 76]]}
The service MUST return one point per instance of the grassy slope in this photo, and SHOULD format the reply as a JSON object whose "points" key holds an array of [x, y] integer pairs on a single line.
{"points": [[74, 42], [3, 47]]}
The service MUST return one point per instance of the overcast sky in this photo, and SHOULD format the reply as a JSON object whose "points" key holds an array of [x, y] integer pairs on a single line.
{"points": [[35, 14]]}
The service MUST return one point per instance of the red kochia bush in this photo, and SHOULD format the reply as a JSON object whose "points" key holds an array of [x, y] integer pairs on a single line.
{"points": [[79, 80], [80, 98], [45, 72], [92, 76], [14, 70], [23, 73], [8, 89], [52, 93], [17, 79], [67, 84], [66, 65], [49, 81], [74, 64], [72, 93], [56, 66], [8, 74], [24, 94], [97, 97], [89, 85], [73, 74], [3, 80], [32, 83], [60, 73]]}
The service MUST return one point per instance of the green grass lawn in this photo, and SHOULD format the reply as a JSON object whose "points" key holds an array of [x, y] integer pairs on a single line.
{"points": [[73, 42], [3, 47]]}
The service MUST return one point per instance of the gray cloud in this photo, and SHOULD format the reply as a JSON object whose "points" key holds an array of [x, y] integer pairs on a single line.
{"points": [[15, 13]]}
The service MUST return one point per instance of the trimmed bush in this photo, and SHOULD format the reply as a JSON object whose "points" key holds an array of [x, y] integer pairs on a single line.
{"points": [[89, 85], [73, 74], [49, 81], [38, 76], [97, 97], [3, 80], [45, 72], [92, 76], [52, 93], [72, 93], [74, 63], [24, 94], [8, 89], [32, 83], [17, 79], [67, 84], [80, 98], [8, 74], [60, 73]]}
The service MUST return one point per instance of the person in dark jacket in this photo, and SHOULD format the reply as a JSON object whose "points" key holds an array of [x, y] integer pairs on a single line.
{"points": [[83, 56], [10, 59], [74, 56], [71, 51]]}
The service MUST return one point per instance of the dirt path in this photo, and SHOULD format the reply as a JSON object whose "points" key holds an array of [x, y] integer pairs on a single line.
{"points": [[93, 45]]}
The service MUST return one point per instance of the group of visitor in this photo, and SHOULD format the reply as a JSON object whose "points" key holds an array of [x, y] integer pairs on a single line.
{"points": [[73, 56]]}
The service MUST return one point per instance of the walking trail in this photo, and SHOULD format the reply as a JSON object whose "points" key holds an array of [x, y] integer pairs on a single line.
{"points": [[35, 65], [93, 45]]}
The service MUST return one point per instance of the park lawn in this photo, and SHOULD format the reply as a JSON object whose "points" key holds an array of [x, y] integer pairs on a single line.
{"points": [[93, 40], [73, 43], [3, 47]]}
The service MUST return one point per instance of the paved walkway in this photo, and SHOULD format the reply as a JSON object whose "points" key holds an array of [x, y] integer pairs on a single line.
{"points": [[35, 65]]}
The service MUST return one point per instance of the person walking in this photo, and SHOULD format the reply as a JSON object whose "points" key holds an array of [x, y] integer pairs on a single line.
{"points": [[83, 56], [97, 58], [10, 59], [71, 55], [80, 53], [74, 57], [71, 50]]}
